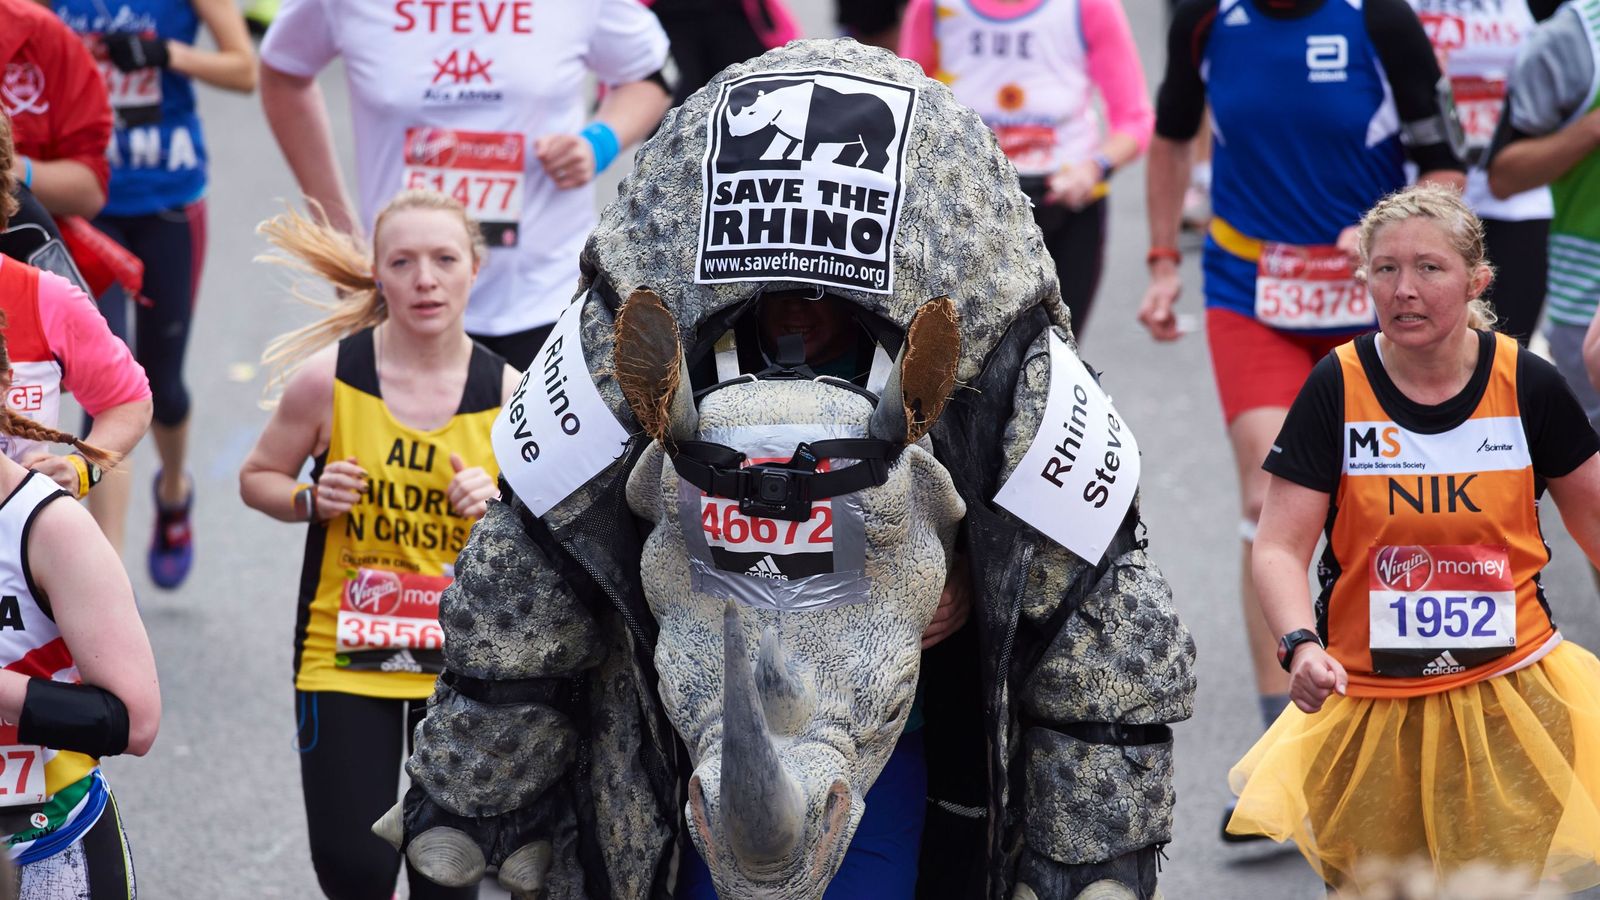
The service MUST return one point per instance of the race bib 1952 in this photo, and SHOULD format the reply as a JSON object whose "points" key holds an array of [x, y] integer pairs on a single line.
{"points": [[1439, 609], [481, 169], [1299, 288]]}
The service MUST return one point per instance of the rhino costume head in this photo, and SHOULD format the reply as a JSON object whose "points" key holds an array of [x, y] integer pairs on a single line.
{"points": [[820, 163]]}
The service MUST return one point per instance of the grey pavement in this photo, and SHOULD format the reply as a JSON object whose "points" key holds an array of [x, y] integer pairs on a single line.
{"points": [[214, 811]]}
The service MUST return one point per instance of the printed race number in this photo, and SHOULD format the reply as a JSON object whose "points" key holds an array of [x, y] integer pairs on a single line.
{"points": [[135, 96], [1441, 598], [483, 170], [1309, 288], [725, 526], [21, 775], [383, 610]]}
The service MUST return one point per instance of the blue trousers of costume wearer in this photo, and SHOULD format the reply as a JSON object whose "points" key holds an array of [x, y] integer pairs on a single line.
{"points": [[881, 863]]}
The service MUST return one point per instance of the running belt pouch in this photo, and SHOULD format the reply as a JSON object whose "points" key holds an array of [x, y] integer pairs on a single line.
{"points": [[78, 717]]}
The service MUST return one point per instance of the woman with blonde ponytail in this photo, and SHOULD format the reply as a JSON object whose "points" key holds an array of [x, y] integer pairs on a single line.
{"points": [[392, 402], [77, 680], [1438, 713]]}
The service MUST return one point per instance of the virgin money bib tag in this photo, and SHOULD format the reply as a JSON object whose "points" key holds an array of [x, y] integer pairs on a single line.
{"points": [[483, 170], [556, 432], [1078, 477], [803, 180]]}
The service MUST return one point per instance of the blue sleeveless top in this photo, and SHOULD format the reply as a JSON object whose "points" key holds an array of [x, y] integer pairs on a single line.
{"points": [[1307, 137], [157, 151]]}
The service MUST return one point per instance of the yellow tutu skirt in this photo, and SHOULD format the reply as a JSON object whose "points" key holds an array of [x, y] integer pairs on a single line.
{"points": [[1505, 771]]}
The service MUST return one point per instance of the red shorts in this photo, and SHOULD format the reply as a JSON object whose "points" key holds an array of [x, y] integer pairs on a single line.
{"points": [[1256, 366]]}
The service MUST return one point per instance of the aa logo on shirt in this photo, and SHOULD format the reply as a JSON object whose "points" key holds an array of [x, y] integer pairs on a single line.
{"points": [[803, 180]]}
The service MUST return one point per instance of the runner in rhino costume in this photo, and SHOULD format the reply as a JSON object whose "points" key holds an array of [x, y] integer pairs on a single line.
{"points": [[613, 689]]}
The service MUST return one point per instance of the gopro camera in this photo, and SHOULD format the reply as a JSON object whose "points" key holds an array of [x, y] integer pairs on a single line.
{"points": [[775, 495]]}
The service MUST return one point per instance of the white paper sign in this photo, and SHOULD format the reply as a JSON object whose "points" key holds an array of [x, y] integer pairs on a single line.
{"points": [[1078, 477], [803, 179], [556, 432]]}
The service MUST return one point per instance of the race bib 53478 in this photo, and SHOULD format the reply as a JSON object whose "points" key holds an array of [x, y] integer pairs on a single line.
{"points": [[1309, 288]]}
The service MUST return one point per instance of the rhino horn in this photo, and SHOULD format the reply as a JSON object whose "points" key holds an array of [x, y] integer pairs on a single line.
{"points": [[923, 376], [392, 826], [1106, 889], [762, 804], [651, 368], [446, 856], [786, 699]]}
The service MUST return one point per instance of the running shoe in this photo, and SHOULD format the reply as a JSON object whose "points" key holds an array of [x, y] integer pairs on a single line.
{"points": [[172, 544], [258, 16], [1230, 838]]}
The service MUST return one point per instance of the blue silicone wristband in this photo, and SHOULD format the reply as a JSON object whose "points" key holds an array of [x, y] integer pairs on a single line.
{"points": [[27, 172], [605, 144]]}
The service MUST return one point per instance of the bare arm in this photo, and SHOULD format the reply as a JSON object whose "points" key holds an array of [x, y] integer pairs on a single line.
{"points": [[233, 64], [1291, 517], [299, 428], [119, 428], [1529, 162], [1577, 495], [65, 187], [298, 117], [633, 109], [1166, 178], [93, 606]]}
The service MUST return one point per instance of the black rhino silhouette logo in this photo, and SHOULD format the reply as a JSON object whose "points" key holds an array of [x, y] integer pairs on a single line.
{"points": [[780, 123]]}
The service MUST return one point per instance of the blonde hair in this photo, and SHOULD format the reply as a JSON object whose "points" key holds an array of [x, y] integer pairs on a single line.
{"points": [[1461, 227], [8, 182], [313, 247], [16, 424]]}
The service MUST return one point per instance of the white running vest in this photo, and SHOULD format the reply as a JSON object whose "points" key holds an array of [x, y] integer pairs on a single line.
{"points": [[1026, 75]]}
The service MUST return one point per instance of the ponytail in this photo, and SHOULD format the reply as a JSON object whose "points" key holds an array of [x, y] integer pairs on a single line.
{"points": [[15, 424]]}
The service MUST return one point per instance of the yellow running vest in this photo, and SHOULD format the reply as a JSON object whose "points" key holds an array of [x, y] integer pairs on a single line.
{"points": [[370, 583]]}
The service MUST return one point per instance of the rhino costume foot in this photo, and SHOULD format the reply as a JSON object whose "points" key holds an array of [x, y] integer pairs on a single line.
{"points": [[1131, 876]]}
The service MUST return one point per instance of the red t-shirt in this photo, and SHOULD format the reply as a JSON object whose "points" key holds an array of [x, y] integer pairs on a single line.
{"points": [[52, 90]]}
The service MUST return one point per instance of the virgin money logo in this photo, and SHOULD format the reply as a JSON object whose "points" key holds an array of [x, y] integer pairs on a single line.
{"points": [[431, 147], [373, 592], [1404, 568], [22, 90]]}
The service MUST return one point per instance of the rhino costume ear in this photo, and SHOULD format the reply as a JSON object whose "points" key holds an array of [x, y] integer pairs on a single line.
{"points": [[923, 376], [651, 368]]}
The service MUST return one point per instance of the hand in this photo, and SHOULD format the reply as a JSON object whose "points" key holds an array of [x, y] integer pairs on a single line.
{"points": [[342, 483], [955, 605], [1155, 311], [1350, 242], [1073, 185], [470, 490], [1313, 676], [54, 467], [567, 158], [130, 52]]}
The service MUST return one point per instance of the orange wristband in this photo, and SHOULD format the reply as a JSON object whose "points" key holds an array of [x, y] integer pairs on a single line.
{"points": [[1157, 254]]}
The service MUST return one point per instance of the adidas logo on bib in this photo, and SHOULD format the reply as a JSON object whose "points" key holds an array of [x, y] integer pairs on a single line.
{"points": [[1237, 17], [1443, 664], [402, 662], [767, 567]]}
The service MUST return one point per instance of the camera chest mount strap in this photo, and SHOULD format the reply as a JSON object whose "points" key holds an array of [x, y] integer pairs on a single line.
{"points": [[784, 490]]}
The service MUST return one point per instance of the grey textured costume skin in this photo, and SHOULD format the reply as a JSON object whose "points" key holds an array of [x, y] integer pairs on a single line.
{"points": [[1080, 664]]}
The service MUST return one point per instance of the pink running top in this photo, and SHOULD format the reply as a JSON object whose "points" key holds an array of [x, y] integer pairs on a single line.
{"points": [[1027, 67]]}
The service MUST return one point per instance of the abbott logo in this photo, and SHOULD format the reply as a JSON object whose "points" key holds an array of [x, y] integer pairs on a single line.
{"points": [[1327, 55]]}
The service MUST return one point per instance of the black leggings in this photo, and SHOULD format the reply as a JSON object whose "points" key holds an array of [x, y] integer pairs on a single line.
{"points": [[172, 245], [1076, 241], [705, 39], [97, 867], [351, 749], [1518, 252]]}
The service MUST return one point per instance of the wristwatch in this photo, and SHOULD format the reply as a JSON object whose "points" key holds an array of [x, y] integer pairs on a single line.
{"points": [[1292, 641]]}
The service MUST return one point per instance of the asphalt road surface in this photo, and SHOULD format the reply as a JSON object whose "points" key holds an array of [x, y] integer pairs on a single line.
{"points": [[214, 811]]}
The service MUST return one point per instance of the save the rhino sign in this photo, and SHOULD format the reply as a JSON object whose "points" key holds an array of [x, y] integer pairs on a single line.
{"points": [[803, 180]]}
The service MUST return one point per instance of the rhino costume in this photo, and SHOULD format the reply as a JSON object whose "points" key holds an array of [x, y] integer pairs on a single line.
{"points": [[615, 685]]}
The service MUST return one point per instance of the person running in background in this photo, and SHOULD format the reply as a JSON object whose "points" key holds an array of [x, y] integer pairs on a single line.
{"points": [[708, 36], [392, 403], [486, 105], [1438, 712], [874, 22], [59, 342], [1316, 106], [156, 209], [77, 676], [1031, 70], [1477, 46], [1550, 134]]}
